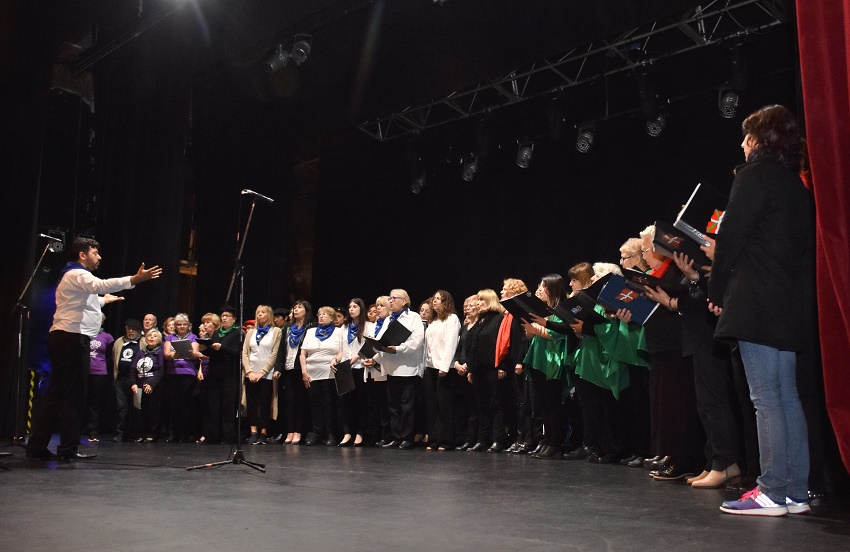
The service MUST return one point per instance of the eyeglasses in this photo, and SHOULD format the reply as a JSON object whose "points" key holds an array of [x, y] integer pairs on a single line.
{"points": [[226, 315], [626, 258], [393, 298]]}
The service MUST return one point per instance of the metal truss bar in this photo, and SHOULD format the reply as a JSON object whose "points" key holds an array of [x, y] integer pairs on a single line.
{"points": [[400, 124]]}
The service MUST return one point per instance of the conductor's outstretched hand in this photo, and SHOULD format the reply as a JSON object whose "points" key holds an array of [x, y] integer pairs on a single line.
{"points": [[145, 274]]}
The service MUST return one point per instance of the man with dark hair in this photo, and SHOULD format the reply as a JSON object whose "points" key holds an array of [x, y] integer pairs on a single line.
{"points": [[79, 298]]}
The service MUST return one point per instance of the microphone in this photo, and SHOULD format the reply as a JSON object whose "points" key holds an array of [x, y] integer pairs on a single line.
{"points": [[258, 196], [51, 238]]}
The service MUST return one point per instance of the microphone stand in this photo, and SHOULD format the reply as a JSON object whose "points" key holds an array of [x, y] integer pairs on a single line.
{"points": [[18, 438], [238, 456]]}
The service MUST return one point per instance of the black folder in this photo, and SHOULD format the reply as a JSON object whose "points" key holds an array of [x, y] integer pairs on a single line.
{"points": [[344, 377], [579, 307], [183, 348], [617, 295], [396, 334], [669, 240], [636, 280], [523, 304]]}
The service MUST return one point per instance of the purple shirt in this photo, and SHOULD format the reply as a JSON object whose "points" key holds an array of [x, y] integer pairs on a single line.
{"points": [[182, 366], [100, 345]]}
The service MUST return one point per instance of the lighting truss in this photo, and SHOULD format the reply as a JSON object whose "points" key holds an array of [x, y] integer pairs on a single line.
{"points": [[718, 21]]}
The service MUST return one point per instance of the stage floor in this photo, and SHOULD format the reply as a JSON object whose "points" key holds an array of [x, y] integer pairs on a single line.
{"points": [[141, 497]]}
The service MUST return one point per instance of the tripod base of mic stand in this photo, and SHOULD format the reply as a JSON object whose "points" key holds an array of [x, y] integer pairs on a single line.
{"points": [[237, 458]]}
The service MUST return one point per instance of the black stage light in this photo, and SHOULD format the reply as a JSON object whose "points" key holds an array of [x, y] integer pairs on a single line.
{"points": [[655, 126], [301, 48], [524, 154], [418, 184], [277, 60], [470, 167], [586, 134], [728, 104]]}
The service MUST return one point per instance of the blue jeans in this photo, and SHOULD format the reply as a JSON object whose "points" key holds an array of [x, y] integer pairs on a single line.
{"points": [[782, 433]]}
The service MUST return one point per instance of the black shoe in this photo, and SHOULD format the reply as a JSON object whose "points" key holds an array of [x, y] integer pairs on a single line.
{"points": [[348, 443], [625, 461], [662, 463], [647, 462], [496, 447], [465, 446], [478, 447], [406, 445], [173, 439], [579, 453], [391, 444], [67, 456], [254, 439], [312, 440], [118, 437], [672, 473], [522, 449], [276, 439], [636, 463], [381, 442], [40, 454], [547, 453], [330, 441], [609, 458], [139, 440]]}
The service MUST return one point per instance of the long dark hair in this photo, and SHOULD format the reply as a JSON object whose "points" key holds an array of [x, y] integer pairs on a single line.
{"points": [[361, 320], [308, 312], [556, 288], [776, 133]]}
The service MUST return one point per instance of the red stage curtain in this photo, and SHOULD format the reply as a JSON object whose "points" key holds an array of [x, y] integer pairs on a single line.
{"points": [[824, 38]]}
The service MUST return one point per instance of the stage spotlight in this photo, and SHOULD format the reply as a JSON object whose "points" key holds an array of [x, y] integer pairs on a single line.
{"points": [[655, 126], [728, 104], [524, 154], [585, 138], [301, 48], [418, 184], [277, 60], [470, 167]]}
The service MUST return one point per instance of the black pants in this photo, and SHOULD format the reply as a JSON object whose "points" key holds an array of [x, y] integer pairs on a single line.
{"points": [[600, 412], [323, 400], [467, 421], [450, 412], [258, 402], [547, 400], [401, 401], [179, 389], [354, 407], [529, 422], [65, 397], [98, 385], [677, 430], [716, 404], [147, 420], [296, 407], [491, 411], [222, 402], [432, 410], [379, 413], [634, 412]]}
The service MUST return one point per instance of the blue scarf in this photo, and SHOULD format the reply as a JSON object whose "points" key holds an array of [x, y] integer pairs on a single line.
{"points": [[378, 325], [352, 332], [73, 266], [261, 332], [295, 333], [394, 316], [324, 332]]}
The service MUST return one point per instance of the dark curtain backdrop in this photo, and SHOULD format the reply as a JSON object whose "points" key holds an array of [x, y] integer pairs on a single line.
{"points": [[824, 38]]}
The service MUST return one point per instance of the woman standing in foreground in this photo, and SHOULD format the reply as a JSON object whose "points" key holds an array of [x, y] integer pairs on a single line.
{"points": [[756, 288]]}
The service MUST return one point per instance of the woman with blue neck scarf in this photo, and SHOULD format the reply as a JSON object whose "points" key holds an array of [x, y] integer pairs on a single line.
{"points": [[259, 353], [353, 406], [403, 365], [321, 345], [296, 408]]}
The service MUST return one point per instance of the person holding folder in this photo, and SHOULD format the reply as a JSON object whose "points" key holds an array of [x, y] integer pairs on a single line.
{"points": [[353, 406], [403, 364], [376, 380]]}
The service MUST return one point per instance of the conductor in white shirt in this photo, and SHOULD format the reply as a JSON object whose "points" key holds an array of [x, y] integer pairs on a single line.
{"points": [[79, 298]]}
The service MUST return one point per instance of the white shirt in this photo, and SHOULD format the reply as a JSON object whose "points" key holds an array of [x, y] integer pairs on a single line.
{"points": [[260, 357], [320, 353], [441, 339], [78, 301], [409, 358]]}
